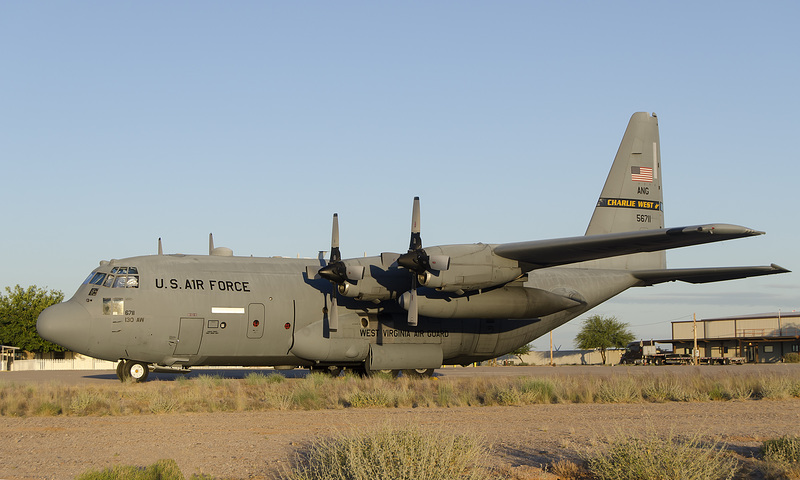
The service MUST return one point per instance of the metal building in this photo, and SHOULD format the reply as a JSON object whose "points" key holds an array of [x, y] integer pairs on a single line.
{"points": [[759, 338]]}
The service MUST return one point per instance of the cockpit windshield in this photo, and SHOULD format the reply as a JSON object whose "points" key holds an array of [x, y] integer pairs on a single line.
{"points": [[119, 277]]}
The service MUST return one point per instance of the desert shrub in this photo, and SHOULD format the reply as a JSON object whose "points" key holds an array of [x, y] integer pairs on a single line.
{"points": [[567, 470], [784, 449], [619, 390], [719, 392], [362, 399], [256, 378], [85, 402], [775, 387], [792, 357], [538, 390], [161, 470], [665, 389], [655, 458], [390, 453], [509, 396]]}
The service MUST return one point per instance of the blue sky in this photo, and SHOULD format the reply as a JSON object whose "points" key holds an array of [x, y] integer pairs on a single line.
{"points": [[124, 122]]}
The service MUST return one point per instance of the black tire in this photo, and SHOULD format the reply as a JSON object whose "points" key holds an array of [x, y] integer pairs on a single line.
{"points": [[136, 371], [419, 372], [392, 373], [121, 371]]}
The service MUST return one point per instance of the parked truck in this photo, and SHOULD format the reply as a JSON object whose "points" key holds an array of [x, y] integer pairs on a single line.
{"points": [[650, 352]]}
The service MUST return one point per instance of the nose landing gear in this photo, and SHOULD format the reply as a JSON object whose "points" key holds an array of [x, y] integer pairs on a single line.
{"points": [[131, 370]]}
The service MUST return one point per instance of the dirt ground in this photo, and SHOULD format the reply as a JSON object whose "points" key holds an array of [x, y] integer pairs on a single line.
{"points": [[260, 444]]}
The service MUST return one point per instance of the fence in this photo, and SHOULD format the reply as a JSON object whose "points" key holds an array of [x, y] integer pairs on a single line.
{"points": [[84, 363]]}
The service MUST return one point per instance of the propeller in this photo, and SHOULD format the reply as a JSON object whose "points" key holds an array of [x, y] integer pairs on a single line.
{"points": [[338, 273], [418, 262]]}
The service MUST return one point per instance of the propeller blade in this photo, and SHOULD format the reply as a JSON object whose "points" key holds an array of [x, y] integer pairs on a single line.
{"points": [[416, 238], [413, 312], [333, 313], [335, 254]]}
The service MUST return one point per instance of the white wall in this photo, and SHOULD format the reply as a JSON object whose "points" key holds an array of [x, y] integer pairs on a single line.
{"points": [[573, 357]]}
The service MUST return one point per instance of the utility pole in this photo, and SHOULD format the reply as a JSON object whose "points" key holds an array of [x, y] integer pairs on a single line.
{"points": [[695, 353]]}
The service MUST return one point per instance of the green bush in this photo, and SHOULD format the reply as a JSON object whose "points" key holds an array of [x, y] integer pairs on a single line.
{"points": [[784, 449]]}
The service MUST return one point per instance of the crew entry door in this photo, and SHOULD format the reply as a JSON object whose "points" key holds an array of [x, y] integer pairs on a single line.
{"points": [[190, 333]]}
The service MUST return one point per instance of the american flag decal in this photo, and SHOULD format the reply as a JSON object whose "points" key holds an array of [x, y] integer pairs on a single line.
{"points": [[642, 174]]}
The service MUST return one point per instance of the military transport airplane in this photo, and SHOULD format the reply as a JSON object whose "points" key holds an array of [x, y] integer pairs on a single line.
{"points": [[451, 304]]}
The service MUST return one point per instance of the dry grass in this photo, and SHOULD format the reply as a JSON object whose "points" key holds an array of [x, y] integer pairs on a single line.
{"points": [[392, 453], [258, 392], [653, 457], [412, 452]]}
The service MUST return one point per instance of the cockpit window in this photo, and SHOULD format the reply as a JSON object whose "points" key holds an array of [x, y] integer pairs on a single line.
{"points": [[120, 277]]}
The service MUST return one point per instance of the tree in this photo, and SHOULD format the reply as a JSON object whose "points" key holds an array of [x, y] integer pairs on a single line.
{"points": [[523, 350], [602, 333], [19, 309]]}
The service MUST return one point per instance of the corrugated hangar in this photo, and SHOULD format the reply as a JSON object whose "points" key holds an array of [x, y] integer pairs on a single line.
{"points": [[759, 338]]}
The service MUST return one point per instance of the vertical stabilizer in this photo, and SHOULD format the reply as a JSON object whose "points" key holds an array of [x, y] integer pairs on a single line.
{"points": [[632, 197]]}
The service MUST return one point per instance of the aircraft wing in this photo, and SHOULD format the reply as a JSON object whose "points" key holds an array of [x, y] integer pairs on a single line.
{"points": [[703, 275], [562, 251]]}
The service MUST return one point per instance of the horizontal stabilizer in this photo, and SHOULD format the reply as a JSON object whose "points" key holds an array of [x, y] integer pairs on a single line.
{"points": [[704, 275], [562, 251]]}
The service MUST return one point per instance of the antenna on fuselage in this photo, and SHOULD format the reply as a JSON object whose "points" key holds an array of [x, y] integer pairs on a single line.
{"points": [[160, 250], [210, 243]]}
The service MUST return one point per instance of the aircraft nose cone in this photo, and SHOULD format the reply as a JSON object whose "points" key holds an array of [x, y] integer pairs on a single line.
{"points": [[65, 324]]}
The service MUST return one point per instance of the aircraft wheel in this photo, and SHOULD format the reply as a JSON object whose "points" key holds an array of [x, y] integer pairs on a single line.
{"points": [[120, 370], [136, 371], [393, 373], [419, 373]]}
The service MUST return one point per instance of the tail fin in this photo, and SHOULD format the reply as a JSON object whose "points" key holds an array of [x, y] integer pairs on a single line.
{"points": [[632, 197]]}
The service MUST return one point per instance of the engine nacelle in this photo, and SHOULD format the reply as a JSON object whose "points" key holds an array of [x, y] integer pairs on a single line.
{"points": [[367, 289], [471, 267]]}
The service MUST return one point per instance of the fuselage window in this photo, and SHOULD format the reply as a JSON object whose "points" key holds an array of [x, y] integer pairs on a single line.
{"points": [[98, 278], [113, 306], [109, 281], [120, 282], [132, 282]]}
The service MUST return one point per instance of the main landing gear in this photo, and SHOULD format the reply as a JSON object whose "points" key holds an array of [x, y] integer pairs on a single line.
{"points": [[131, 370]]}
